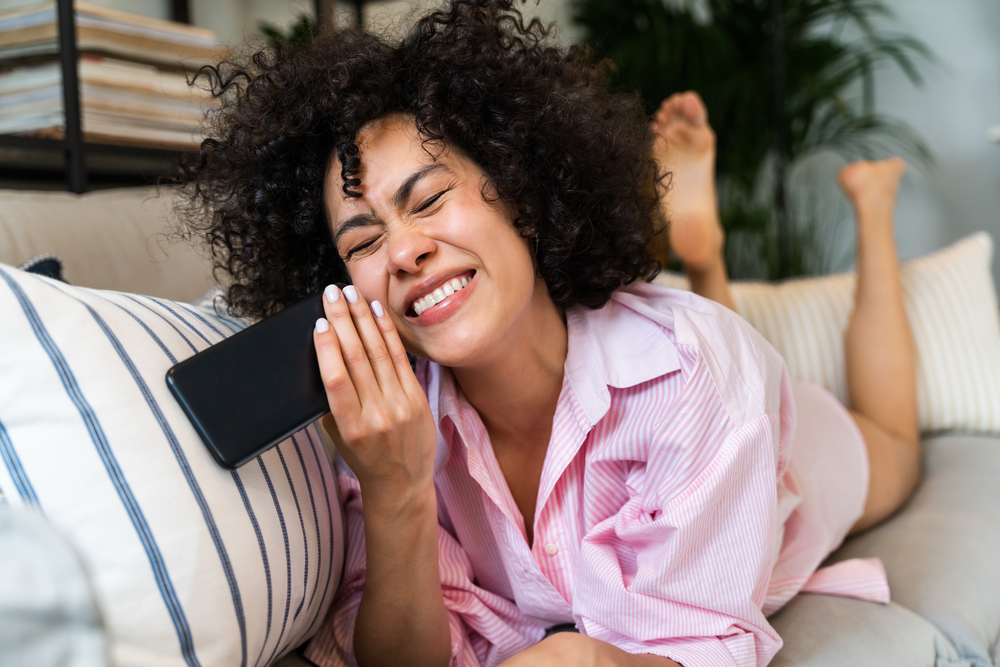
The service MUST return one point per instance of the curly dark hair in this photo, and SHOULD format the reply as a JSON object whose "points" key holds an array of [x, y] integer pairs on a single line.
{"points": [[572, 160]]}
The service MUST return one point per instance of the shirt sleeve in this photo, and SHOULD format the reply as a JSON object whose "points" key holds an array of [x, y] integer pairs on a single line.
{"points": [[681, 570], [485, 628]]}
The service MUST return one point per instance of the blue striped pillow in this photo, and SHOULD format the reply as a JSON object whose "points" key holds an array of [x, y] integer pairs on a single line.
{"points": [[190, 564]]}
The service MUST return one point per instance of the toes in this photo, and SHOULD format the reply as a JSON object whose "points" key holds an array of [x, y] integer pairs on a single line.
{"points": [[694, 108], [893, 167], [666, 107], [896, 165], [680, 134], [686, 107], [850, 173], [667, 111], [863, 178], [853, 177]]}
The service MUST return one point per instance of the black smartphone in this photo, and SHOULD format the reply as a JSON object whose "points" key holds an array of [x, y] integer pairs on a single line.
{"points": [[252, 390]]}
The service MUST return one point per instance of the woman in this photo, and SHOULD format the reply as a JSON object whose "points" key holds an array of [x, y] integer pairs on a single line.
{"points": [[574, 447]]}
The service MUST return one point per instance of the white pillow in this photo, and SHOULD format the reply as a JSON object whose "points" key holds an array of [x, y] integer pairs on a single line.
{"points": [[953, 312], [190, 564]]}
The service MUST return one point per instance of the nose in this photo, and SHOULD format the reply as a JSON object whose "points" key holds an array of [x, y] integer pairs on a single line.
{"points": [[408, 248]]}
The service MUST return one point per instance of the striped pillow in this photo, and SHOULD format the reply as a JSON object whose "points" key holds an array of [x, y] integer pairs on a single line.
{"points": [[190, 564], [953, 312]]}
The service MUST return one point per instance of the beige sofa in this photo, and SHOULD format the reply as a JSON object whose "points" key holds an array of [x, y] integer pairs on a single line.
{"points": [[115, 239], [942, 552]]}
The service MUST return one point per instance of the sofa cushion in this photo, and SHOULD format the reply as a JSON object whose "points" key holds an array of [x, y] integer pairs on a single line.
{"points": [[823, 631], [942, 550], [952, 307], [110, 239], [190, 564]]}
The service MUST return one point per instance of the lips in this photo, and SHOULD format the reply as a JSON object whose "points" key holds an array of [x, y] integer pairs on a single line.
{"points": [[437, 292]]}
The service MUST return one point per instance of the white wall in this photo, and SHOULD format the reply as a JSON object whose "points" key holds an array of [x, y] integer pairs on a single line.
{"points": [[155, 8], [952, 110], [959, 99], [235, 21], [378, 12], [159, 9]]}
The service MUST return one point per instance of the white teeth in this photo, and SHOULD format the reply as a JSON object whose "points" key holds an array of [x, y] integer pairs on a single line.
{"points": [[439, 295]]}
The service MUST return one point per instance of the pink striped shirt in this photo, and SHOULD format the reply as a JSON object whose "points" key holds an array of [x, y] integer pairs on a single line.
{"points": [[668, 519]]}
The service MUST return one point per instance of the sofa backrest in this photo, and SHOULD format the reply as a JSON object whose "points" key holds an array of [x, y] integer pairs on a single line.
{"points": [[110, 239]]}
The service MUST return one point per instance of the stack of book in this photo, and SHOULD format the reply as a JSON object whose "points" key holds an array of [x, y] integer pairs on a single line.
{"points": [[133, 76]]}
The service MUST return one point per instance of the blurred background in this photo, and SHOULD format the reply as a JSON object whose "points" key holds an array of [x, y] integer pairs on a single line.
{"points": [[795, 89]]}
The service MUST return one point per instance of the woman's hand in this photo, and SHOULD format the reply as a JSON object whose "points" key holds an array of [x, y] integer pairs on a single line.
{"points": [[382, 425], [379, 416], [570, 649]]}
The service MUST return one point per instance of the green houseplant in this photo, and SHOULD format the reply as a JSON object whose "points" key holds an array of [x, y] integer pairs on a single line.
{"points": [[725, 50], [299, 34]]}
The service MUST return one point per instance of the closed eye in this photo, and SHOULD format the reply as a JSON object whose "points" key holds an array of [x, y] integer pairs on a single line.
{"points": [[430, 202], [362, 247]]}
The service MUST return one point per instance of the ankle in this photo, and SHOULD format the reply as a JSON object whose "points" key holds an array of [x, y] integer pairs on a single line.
{"points": [[874, 208], [712, 282], [699, 242], [711, 263]]}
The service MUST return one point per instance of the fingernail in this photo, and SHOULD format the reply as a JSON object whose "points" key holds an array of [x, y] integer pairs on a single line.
{"points": [[377, 309], [322, 326], [331, 293], [351, 294]]}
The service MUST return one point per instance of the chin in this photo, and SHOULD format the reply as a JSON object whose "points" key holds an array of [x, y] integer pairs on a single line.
{"points": [[455, 352]]}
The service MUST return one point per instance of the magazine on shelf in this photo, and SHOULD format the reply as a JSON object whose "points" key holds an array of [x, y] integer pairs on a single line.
{"points": [[33, 31], [98, 129], [106, 73], [118, 99], [101, 128], [125, 105]]}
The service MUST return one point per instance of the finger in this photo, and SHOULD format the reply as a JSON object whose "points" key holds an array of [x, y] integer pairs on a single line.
{"points": [[352, 350], [371, 337], [340, 391], [397, 352]]}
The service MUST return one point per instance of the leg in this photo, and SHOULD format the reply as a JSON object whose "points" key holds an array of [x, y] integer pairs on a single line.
{"points": [[685, 147], [879, 348]]}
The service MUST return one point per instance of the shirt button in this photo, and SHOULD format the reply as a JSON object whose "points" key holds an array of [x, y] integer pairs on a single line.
{"points": [[551, 549]]}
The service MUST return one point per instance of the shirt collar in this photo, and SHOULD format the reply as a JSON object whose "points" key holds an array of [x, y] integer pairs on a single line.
{"points": [[622, 344], [614, 346]]}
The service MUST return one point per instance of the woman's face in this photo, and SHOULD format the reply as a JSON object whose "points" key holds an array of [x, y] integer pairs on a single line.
{"points": [[448, 267]]}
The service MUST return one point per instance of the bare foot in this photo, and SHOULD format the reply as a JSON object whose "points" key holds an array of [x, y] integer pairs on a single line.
{"points": [[871, 187], [685, 147]]}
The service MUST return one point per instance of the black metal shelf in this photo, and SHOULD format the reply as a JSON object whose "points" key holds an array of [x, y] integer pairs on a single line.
{"points": [[75, 165], [77, 161], [46, 144]]}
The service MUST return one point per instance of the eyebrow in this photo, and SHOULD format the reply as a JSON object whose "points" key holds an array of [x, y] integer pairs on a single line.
{"points": [[404, 190], [398, 198]]}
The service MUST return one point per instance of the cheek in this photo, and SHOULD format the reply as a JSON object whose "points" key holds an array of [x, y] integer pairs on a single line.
{"points": [[471, 224], [518, 260], [369, 281]]}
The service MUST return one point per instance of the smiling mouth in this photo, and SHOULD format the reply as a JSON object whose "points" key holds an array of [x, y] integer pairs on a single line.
{"points": [[439, 295]]}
